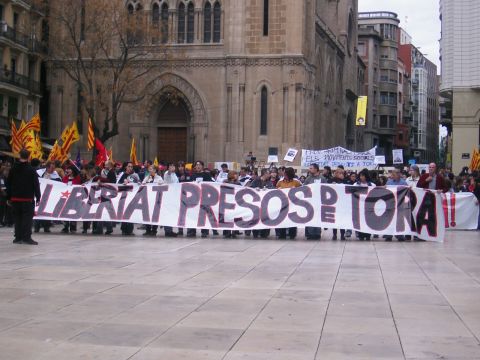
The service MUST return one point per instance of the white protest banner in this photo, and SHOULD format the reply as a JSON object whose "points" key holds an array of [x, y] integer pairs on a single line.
{"points": [[339, 156], [380, 210], [290, 155], [460, 211], [397, 156]]}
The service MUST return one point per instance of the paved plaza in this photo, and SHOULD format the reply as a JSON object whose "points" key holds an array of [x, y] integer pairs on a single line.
{"points": [[99, 297]]}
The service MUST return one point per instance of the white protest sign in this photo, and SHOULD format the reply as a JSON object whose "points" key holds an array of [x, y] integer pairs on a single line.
{"points": [[290, 155]]}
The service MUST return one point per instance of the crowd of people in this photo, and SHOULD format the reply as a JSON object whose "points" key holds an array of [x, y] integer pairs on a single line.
{"points": [[266, 178]]}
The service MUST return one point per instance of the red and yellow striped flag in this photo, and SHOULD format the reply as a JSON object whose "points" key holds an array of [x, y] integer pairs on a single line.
{"points": [[33, 124], [133, 153], [91, 135], [475, 162], [69, 136], [16, 141]]}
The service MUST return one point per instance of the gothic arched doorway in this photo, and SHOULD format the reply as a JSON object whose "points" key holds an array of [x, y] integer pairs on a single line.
{"points": [[172, 131]]}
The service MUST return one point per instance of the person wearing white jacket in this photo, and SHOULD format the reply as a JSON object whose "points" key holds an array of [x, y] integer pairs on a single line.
{"points": [[152, 178]]}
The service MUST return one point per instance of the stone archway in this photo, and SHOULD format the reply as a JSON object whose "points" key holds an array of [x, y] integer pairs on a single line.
{"points": [[165, 93]]}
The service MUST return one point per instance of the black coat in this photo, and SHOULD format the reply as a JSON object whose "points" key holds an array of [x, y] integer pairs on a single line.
{"points": [[22, 182]]}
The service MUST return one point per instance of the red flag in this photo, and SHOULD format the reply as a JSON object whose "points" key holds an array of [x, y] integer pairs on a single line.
{"points": [[102, 154]]}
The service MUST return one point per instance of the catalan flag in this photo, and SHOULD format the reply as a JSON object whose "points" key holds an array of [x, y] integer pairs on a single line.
{"points": [[155, 162], [16, 141], [133, 153], [91, 135], [475, 162], [33, 124], [69, 136]]}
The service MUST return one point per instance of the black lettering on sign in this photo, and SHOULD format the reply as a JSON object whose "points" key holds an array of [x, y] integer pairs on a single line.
{"points": [[123, 190], [404, 209], [240, 199], [427, 214], [44, 201], [382, 221], [208, 200], [328, 197], [283, 211], [356, 191], [306, 191], [139, 202], [158, 202], [107, 193], [93, 199], [224, 206], [413, 205], [74, 207], [189, 198]]}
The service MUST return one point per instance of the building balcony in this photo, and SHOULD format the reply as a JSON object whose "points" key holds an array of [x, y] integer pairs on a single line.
{"points": [[11, 34], [20, 81], [415, 83]]}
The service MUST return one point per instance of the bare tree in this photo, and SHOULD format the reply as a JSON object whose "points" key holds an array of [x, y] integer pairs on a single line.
{"points": [[99, 45]]}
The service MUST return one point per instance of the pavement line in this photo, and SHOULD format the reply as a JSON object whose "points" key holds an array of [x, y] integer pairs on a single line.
{"points": [[330, 299], [389, 303], [269, 300]]}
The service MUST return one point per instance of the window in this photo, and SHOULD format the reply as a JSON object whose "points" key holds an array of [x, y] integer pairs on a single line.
{"points": [[217, 16], [190, 23], [384, 75], [155, 14], [181, 23], [265, 17], [12, 107], [1, 104], [207, 23], [392, 99], [383, 98], [1, 12], [393, 121], [383, 121], [164, 23], [375, 98], [82, 22], [263, 111], [362, 50], [400, 78]]}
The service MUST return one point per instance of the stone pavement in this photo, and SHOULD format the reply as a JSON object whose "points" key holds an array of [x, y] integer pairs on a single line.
{"points": [[85, 297]]}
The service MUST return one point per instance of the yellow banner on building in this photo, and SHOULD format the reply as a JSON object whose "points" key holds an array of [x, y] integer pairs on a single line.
{"points": [[361, 111]]}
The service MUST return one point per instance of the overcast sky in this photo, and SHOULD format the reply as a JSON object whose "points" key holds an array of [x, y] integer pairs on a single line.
{"points": [[420, 18]]}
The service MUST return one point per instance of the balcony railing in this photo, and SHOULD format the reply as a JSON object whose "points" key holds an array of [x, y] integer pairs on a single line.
{"points": [[21, 81], [22, 39], [13, 34]]}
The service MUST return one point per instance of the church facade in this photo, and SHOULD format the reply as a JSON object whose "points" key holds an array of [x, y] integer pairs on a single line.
{"points": [[256, 76]]}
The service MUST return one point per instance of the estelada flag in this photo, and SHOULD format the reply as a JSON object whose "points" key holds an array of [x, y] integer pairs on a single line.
{"points": [[133, 153], [69, 136], [90, 135]]}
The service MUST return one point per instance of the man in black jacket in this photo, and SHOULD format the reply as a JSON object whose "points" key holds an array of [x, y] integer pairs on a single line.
{"points": [[22, 188], [199, 175]]}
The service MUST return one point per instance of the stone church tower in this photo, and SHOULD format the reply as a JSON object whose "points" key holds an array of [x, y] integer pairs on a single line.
{"points": [[255, 75]]}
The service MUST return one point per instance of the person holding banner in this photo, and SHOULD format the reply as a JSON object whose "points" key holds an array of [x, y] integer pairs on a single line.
{"points": [[432, 180], [364, 180], [288, 181], [314, 177], [107, 175], [129, 177], [262, 182], [338, 178], [199, 175], [152, 178]]}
